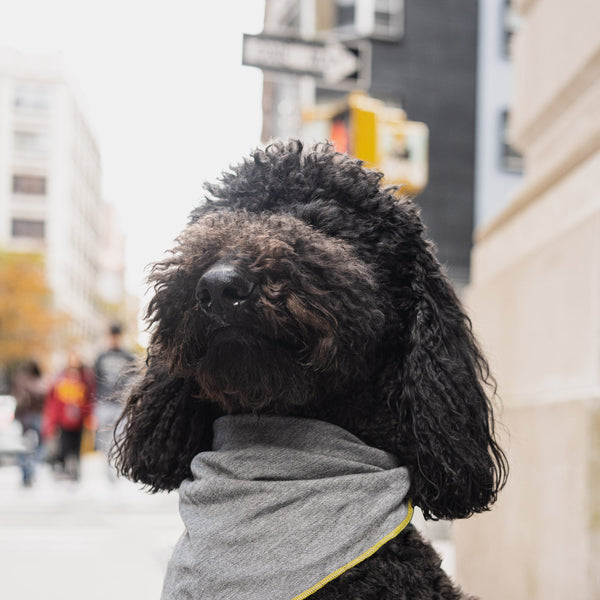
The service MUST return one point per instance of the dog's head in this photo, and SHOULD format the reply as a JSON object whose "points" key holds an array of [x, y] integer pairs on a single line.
{"points": [[303, 287]]}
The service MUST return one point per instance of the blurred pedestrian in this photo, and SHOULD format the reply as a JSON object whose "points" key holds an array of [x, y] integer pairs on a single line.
{"points": [[28, 386], [112, 370], [68, 409]]}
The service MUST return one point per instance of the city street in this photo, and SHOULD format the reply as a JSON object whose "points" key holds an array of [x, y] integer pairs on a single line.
{"points": [[96, 539]]}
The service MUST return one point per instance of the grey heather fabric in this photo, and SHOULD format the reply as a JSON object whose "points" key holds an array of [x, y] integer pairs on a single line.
{"points": [[279, 504]]}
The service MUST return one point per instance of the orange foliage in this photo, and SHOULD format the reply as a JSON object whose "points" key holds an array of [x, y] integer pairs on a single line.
{"points": [[27, 320]]}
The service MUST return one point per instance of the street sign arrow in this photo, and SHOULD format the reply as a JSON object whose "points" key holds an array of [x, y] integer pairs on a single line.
{"points": [[331, 63]]}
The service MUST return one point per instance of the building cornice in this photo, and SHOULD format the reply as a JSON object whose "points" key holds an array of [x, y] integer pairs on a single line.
{"points": [[524, 6], [533, 190], [569, 135], [577, 85]]}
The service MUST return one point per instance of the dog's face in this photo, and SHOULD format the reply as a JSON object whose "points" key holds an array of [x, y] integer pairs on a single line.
{"points": [[266, 312]]}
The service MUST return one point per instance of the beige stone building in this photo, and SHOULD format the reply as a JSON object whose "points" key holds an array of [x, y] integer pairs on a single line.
{"points": [[535, 299]]}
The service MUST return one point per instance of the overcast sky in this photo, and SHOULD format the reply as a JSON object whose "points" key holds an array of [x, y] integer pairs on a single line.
{"points": [[162, 86]]}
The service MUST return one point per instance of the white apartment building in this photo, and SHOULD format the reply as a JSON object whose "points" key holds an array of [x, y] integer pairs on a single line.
{"points": [[50, 187], [498, 167]]}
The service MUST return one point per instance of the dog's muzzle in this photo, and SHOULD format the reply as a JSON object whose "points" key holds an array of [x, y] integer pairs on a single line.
{"points": [[222, 288]]}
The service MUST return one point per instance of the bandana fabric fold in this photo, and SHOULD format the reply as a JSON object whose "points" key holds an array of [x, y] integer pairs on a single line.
{"points": [[280, 507]]}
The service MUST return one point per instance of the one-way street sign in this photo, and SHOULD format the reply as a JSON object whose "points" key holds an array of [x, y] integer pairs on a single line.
{"points": [[331, 64]]}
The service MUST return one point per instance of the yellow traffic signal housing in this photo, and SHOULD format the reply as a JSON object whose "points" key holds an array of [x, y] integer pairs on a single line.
{"points": [[364, 117], [379, 135]]}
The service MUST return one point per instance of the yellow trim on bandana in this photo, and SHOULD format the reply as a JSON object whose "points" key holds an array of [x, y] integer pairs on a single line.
{"points": [[358, 559]]}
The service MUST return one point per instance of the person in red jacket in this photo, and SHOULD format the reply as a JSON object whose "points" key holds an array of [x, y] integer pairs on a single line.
{"points": [[69, 406]]}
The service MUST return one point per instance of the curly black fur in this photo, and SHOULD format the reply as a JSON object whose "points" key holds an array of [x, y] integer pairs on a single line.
{"points": [[406, 568], [350, 320]]}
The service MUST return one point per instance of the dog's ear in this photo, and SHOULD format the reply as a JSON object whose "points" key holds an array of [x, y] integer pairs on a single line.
{"points": [[163, 426], [440, 388]]}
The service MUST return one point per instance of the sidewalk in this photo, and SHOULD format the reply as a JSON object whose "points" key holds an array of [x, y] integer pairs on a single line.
{"points": [[92, 540]]}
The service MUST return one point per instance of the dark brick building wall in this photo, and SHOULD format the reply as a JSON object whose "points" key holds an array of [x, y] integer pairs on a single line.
{"points": [[431, 73]]}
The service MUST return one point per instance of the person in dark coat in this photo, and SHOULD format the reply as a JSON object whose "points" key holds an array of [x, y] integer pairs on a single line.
{"points": [[28, 387], [112, 371]]}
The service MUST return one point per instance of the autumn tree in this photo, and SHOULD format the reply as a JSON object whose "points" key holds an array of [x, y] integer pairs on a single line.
{"points": [[27, 320]]}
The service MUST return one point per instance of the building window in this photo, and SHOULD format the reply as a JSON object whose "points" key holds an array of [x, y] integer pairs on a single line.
{"points": [[378, 19], [32, 97], [346, 14], [29, 184], [389, 18], [28, 228], [510, 24], [511, 160], [34, 142]]}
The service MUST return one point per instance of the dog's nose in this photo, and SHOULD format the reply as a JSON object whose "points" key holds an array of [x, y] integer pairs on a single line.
{"points": [[223, 287]]}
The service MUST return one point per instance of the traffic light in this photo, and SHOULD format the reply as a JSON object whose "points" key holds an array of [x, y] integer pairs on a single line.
{"points": [[379, 135]]}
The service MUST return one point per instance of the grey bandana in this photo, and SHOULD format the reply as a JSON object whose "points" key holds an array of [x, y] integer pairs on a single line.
{"points": [[280, 507]]}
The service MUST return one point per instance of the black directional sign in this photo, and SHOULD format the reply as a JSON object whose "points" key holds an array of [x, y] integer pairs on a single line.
{"points": [[332, 64]]}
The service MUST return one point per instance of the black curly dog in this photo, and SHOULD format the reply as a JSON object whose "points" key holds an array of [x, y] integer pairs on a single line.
{"points": [[335, 308]]}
